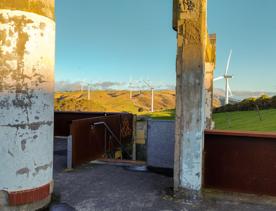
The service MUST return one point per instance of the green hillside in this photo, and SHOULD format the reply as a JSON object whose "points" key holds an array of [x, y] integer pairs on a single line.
{"points": [[246, 120], [114, 101], [118, 101], [241, 120]]}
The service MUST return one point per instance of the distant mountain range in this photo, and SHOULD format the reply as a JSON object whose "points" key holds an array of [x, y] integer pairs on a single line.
{"points": [[219, 96], [244, 94]]}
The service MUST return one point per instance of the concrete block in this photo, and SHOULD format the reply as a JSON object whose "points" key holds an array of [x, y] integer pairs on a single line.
{"points": [[160, 144]]}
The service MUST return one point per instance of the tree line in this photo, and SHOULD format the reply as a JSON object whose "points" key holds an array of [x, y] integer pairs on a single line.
{"points": [[249, 104]]}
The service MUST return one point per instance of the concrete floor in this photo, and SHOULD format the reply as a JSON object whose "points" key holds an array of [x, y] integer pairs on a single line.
{"points": [[112, 187]]}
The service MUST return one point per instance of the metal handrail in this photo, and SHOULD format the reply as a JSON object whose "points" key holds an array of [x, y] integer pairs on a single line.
{"points": [[113, 135]]}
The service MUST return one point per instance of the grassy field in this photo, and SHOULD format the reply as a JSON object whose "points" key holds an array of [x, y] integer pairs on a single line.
{"points": [[246, 120], [118, 101], [242, 120], [161, 115]]}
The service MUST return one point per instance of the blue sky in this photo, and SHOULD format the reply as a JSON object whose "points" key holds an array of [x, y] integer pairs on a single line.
{"points": [[114, 40]]}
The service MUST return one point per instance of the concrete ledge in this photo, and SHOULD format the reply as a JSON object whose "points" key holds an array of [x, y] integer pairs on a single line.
{"points": [[32, 206], [41, 7], [238, 197], [271, 135], [208, 195]]}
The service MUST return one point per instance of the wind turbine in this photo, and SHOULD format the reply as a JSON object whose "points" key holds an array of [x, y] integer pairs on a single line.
{"points": [[130, 87], [152, 95], [82, 84], [226, 77], [89, 89]]}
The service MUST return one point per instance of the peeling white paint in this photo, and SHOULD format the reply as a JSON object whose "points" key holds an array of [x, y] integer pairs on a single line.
{"points": [[26, 100]]}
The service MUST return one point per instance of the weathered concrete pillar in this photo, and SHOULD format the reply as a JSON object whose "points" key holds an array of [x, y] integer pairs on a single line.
{"points": [[190, 100], [210, 64], [27, 48]]}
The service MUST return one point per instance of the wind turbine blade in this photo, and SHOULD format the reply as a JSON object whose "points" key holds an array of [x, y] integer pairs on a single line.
{"points": [[228, 62], [130, 82], [218, 78], [229, 90], [147, 84]]}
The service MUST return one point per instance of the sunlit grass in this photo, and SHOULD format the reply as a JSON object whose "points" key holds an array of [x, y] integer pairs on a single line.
{"points": [[119, 101], [240, 121], [162, 115], [246, 120], [114, 101]]}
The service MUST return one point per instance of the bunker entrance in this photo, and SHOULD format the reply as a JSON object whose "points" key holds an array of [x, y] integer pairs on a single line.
{"points": [[94, 136]]}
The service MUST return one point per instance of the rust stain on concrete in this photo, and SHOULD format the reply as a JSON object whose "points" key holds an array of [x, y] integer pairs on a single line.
{"points": [[42, 168], [23, 144], [20, 80], [23, 171], [42, 26]]}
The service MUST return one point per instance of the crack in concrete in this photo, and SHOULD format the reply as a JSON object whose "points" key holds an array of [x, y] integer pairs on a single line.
{"points": [[31, 126], [23, 144]]}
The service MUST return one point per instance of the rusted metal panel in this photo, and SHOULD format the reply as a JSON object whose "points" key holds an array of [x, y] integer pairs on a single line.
{"points": [[240, 162], [89, 139], [126, 128], [63, 120], [86, 144]]}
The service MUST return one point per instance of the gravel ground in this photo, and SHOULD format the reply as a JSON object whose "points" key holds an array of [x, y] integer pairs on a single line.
{"points": [[113, 187]]}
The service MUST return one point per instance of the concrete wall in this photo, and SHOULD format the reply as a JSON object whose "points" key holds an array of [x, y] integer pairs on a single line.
{"points": [[27, 55], [160, 143], [140, 139]]}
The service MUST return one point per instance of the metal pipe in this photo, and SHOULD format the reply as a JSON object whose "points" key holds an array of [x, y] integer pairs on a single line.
{"points": [[113, 135]]}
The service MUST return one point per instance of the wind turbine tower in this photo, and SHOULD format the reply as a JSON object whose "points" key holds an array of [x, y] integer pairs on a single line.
{"points": [[130, 86], [226, 77], [152, 95], [89, 87], [82, 86]]}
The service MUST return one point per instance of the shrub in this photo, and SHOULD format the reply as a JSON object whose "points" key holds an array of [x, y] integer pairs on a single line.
{"points": [[263, 102], [249, 104], [140, 109], [273, 102]]}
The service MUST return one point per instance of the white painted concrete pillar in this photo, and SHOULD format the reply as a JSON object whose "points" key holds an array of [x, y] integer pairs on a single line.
{"points": [[27, 55], [190, 92]]}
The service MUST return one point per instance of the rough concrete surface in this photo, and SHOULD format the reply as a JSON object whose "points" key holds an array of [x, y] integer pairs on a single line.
{"points": [[27, 48], [107, 187], [190, 93]]}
